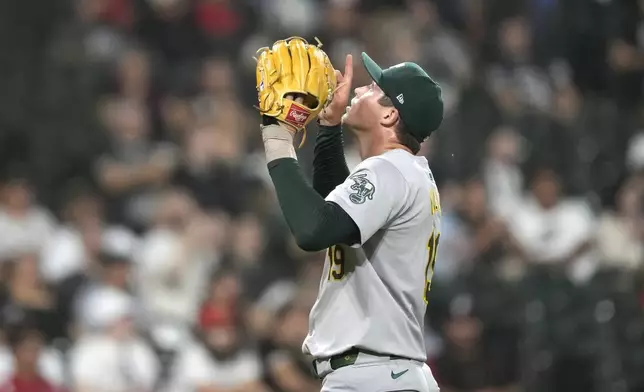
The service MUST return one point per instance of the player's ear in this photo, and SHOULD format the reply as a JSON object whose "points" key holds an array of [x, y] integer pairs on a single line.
{"points": [[389, 117]]}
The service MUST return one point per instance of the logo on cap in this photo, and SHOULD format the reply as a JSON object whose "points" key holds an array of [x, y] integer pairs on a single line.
{"points": [[400, 98], [297, 116]]}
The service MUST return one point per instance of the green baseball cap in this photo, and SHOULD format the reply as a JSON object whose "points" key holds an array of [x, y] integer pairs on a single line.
{"points": [[414, 94]]}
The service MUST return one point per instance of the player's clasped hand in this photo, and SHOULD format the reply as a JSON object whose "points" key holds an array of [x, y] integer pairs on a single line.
{"points": [[295, 81], [332, 114]]}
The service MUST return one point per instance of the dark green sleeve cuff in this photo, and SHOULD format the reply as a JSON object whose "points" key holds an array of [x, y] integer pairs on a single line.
{"points": [[329, 164], [315, 223], [330, 129]]}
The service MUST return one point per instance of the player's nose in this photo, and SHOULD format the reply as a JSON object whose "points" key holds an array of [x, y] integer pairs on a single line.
{"points": [[359, 91]]}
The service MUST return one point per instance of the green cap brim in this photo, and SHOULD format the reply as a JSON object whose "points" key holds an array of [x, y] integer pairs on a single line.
{"points": [[372, 68]]}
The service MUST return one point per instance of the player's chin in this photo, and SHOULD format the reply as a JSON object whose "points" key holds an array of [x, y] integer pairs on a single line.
{"points": [[348, 121]]}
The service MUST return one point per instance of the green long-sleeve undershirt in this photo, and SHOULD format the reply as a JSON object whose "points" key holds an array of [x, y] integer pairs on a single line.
{"points": [[329, 165], [315, 223]]}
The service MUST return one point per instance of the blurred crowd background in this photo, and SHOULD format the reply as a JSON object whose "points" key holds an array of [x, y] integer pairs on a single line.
{"points": [[143, 250]]}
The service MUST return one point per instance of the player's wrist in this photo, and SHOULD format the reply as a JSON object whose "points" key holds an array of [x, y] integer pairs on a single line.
{"points": [[288, 127], [268, 121], [329, 123], [278, 142], [326, 127]]}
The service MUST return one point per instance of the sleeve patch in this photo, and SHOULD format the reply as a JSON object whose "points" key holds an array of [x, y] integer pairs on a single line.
{"points": [[362, 188]]}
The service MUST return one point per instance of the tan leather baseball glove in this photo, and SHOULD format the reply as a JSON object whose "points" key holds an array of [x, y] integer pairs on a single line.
{"points": [[294, 68]]}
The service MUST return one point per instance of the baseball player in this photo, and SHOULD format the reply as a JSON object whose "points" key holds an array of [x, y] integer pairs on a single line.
{"points": [[380, 224]]}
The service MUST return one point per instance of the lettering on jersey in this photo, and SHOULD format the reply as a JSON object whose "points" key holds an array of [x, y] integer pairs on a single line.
{"points": [[435, 202], [432, 248], [431, 177], [336, 263], [362, 188]]}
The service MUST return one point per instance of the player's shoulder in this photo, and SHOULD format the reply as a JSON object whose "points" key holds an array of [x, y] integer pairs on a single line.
{"points": [[414, 169], [381, 169], [376, 165], [395, 160], [396, 168]]}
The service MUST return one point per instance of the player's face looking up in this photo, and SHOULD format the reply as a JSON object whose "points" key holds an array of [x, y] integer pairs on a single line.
{"points": [[361, 112], [368, 118]]}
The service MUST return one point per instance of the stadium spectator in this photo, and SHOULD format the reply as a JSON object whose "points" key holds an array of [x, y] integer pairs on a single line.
{"points": [[620, 235], [175, 260], [26, 227], [33, 368], [551, 229], [487, 233], [110, 355], [27, 296], [135, 168], [136, 208], [27, 361], [287, 369], [218, 359], [469, 361]]}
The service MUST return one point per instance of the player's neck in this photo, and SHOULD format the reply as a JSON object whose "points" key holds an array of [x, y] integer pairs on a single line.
{"points": [[392, 143], [366, 147], [370, 148], [396, 146]]}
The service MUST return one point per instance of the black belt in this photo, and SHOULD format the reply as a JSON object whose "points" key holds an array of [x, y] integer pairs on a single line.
{"points": [[350, 357]]}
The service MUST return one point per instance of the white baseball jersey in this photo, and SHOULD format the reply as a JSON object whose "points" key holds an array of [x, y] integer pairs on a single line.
{"points": [[373, 294]]}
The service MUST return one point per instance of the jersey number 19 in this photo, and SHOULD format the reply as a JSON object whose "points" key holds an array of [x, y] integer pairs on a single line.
{"points": [[432, 247], [336, 261]]}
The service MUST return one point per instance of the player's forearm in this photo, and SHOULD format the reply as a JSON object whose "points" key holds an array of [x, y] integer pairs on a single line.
{"points": [[315, 223], [329, 164]]}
